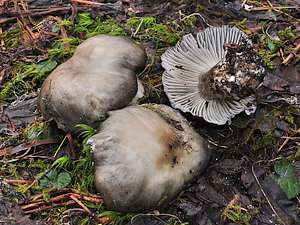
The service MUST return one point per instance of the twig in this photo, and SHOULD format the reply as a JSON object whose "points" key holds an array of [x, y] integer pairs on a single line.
{"points": [[34, 13], [24, 23], [17, 182], [137, 29], [60, 198], [82, 205], [2, 74], [40, 152], [24, 146], [86, 209], [88, 2], [2, 40], [73, 210], [282, 55], [288, 59], [274, 8], [71, 145], [280, 148], [29, 17], [28, 149], [257, 181], [50, 207], [30, 186], [296, 3], [28, 71], [244, 2], [93, 197], [215, 144], [292, 138], [63, 35], [11, 122]]}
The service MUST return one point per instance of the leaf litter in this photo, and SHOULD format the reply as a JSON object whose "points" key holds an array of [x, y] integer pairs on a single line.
{"points": [[236, 188]]}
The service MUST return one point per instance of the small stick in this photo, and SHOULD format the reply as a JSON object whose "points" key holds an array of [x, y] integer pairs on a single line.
{"points": [[30, 186], [34, 68], [73, 210], [244, 2], [2, 40], [28, 149], [71, 145], [11, 122], [50, 207], [288, 59], [24, 23], [280, 148], [2, 74], [40, 202], [282, 55], [87, 2], [60, 198], [17, 181], [33, 13], [263, 192], [86, 209], [274, 8], [64, 35], [82, 205]]}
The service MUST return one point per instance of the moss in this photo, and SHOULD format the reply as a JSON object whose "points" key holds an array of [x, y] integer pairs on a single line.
{"points": [[237, 214], [39, 164], [149, 28], [241, 25], [13, 171], [11, 38], [22, 79], [201, 8], [267, 141], [289, 113], [6, 91]]}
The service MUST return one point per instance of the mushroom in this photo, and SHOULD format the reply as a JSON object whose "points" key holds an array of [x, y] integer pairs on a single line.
{"points": [[101, 75], [143, 154], [214, 76]]}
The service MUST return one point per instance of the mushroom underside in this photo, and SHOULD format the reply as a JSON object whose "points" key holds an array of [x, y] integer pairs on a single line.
{"points": [[212, 76]]}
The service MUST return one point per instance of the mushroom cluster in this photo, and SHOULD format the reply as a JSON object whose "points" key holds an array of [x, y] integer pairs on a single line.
{"points": [[143, 154], [214, 76], [101, 75]]}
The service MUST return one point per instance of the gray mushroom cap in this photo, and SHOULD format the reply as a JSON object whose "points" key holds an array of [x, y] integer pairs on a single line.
{"points": [[200, 79], [143, 154], [101, 75]]}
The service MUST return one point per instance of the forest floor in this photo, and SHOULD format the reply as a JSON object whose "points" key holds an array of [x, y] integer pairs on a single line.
{"points": [[254, 173]]}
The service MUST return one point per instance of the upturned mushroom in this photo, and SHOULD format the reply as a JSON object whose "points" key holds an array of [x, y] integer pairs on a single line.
{"points": [[101, 75], [214, 76], [143, 154]]}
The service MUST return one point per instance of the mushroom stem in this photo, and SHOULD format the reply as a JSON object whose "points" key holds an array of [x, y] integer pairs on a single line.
{"points": [[214, 75], [235, 77]]}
